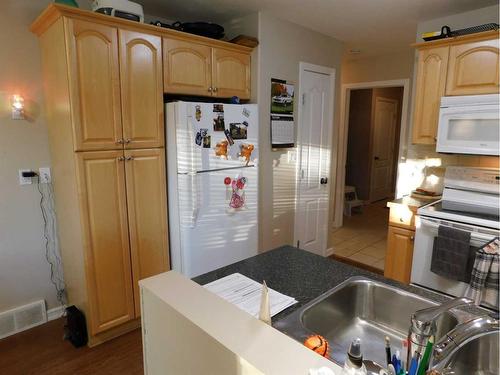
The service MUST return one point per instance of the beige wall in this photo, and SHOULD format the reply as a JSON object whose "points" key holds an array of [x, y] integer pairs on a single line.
{"points": [[283, 45], [397, 65], [24, 273]]}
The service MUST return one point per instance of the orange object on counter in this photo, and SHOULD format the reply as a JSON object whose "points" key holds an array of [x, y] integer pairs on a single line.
{"points": [[318, 344]]}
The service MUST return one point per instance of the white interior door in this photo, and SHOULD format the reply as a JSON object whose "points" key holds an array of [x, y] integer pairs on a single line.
{"points": [[314, 151], [384, 131]]}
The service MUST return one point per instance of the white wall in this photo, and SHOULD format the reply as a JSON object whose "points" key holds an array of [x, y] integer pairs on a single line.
{"points": [[282, 46], [24, 273]]}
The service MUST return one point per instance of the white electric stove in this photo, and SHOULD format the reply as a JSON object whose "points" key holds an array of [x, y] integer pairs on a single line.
{"points": [[470, 202]]}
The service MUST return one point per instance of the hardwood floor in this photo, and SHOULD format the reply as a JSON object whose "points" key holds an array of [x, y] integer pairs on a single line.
{"points": [[42, 351]]}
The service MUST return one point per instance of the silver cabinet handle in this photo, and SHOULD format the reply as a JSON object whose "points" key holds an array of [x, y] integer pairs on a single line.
{"points": [[215, 89], [128, 158], [128, 140], [119, 141], [210, 89], [412, 238], [121, 158]]}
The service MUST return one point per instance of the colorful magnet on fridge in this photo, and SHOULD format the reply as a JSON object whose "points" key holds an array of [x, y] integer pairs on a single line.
{"points": [[246, 112], [221, 148], [206, 141], [228, 137], [219, 108], [227, 181], [198, 112], [219, 124], [246, 152], [198, 139]]}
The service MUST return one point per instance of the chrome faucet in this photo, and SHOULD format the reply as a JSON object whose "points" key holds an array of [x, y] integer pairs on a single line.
{"points": [[423, 326], [446, 347]]}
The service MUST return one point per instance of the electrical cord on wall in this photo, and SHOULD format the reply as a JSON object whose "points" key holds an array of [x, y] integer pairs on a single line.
{"points": [[51, 245]]}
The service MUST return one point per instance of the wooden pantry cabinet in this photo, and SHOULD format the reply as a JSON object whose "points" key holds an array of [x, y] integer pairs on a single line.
{"points": [[465, 65], [196, 68], [104, 103]]}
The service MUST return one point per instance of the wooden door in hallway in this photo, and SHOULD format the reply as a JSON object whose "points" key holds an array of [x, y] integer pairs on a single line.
{"points": [[384, 131], [314, 152]]}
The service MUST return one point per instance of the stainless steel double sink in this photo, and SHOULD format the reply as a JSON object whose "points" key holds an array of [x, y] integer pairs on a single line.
{"points": [[367, 309]]}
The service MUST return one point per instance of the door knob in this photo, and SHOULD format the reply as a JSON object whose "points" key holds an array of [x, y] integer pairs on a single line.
{"points": [[323, 181]]}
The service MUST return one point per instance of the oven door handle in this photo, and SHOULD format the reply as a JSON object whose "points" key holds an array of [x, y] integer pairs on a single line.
{"points": [[473, 235]]}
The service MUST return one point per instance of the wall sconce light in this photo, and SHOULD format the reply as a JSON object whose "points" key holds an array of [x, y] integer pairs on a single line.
{"points": [[17, 103]]}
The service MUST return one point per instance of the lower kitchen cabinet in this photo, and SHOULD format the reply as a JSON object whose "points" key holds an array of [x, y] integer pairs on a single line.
{"points": [[124, 216], [399, 256], [147, 213], [103, 204]]}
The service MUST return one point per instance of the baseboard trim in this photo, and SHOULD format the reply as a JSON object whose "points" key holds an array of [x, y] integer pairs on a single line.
{"points": [[329, 251], [55, 313]]}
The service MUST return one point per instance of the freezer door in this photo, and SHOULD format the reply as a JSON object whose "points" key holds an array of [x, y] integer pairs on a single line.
{"points": [[208, 124], [212, 234]]}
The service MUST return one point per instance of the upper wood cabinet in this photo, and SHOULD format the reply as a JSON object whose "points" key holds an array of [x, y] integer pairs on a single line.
{"points": [[230, 73], [465, 65], [473, 68], [142, 89], [147, 213], [193, 68], [94, 85], [431, 83], [101, 175], [186, 67]]}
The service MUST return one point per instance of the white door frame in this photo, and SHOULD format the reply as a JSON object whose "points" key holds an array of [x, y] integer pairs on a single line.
{"points": [[303, 67], [345, 95]]}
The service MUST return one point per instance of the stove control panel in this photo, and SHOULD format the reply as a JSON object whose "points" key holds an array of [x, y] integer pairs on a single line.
{"points": [[486, 180]]}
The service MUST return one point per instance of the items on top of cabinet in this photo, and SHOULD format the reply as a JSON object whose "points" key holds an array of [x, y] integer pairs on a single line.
{"points": [[126, 9], [446, 32]]}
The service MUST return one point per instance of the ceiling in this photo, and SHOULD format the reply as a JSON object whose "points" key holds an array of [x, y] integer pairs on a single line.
{"points": [[373, 26]]}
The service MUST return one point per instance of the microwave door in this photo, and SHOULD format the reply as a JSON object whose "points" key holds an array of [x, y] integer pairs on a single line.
{"points": [[469, 130]]}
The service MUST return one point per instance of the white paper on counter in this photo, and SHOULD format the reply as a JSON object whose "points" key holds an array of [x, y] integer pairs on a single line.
{"points": [[246, 293]]}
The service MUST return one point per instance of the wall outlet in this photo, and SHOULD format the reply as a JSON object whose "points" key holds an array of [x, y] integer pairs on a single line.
{"points": [[44, 174], [24, 180]]}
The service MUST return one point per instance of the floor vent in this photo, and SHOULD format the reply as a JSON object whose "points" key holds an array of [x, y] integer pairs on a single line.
{"points": [[22, 318]]}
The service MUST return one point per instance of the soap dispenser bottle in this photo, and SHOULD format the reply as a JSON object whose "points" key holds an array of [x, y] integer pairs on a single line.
{"points": [[354, 362]]}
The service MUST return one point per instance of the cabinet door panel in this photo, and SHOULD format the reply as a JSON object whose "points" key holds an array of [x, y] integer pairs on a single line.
{"points": [[147, 211], [141, 89], [186, 67], [473, 68], [431, 82], [399, 257], [230, 74], [101, 177], [94, 86]]}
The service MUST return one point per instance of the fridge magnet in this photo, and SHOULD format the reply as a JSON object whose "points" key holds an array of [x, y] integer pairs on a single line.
{"points": [[238, 130], [228, 137], [198, 113], [206, 141], [219, 108], [221, 149], [219, 124], [246, 152], [236, 188], [198, 139], [246, 112]]}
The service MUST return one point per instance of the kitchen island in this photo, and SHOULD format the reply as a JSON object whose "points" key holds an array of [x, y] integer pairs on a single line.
{"points": [[187, 329]]}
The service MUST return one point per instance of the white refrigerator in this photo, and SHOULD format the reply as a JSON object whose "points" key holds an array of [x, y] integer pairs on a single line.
{"points": [[212, 169]]}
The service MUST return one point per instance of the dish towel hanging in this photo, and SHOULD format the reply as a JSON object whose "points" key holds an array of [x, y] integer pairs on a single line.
{"points": [[483, 287]]}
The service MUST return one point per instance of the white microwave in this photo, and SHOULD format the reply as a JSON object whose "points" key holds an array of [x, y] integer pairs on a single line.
{"points": [[469, 125]]}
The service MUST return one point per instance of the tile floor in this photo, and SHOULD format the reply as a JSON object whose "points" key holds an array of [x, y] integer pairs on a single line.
{"points": [[363, 238]]}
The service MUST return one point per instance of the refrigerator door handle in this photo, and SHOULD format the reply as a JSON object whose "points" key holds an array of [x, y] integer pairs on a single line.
{"points": [[195, 205]]}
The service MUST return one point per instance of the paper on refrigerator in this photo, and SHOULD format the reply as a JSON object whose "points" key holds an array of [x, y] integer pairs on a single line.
{"points": [[245, 293]]}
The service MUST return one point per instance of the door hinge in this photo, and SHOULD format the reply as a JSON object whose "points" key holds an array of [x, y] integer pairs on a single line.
{"points": [[298, 244], [303, 99]]}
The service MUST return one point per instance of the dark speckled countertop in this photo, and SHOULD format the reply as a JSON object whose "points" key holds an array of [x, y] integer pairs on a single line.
{"points": [[304, 276]]}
